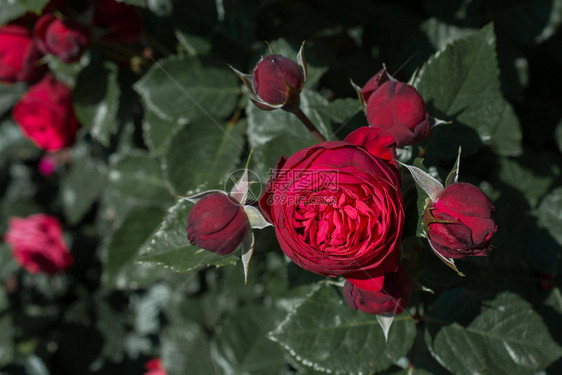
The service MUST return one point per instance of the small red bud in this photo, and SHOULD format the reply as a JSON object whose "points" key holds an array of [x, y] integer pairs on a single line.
{"points": [[398, 109], [278, 80], [460, 221], [217, 223]]}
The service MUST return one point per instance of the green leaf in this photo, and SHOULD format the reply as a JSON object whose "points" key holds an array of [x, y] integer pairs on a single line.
{"points": [[325, 334], [82, 186], [242, 344], [441, 34], [182, 88], [10, 94], [201, 154], [461, 83], [6, 337], [185, 349], [96, 99], [137, 175], [13, 145], [127, 240], [554, 300], [12, 9], [192, 44], [170, 248], [508, 337], [158, 132], [549, 213]]}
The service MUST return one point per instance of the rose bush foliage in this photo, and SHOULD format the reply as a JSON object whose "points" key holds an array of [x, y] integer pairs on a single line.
{"points": [[121, 126]]}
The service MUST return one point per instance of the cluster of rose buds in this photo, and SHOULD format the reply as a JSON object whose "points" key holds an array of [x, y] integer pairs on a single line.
{"points": [[337, 206]]}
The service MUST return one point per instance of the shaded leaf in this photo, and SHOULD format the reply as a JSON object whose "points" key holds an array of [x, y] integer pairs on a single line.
{"points": [[508, 337], [323, 329], [462, 84], [96, 99], [181, 88]]}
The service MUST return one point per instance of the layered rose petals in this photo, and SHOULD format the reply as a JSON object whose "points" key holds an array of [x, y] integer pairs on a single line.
{"points": [[337, 210]]}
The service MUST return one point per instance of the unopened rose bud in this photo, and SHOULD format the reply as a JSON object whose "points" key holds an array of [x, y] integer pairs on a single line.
{"points": [[398, 109], [217, 223], [278, 80], [393, 297], [460, 221], [66, 39], [373, 84]]}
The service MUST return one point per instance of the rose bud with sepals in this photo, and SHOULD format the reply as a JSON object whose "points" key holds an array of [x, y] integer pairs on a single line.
{"points": [[398, 109], [460, 221], [278, 80], [217, 223], [64, 38]]}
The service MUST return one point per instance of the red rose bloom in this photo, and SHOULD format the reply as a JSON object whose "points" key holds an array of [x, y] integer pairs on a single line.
{"points": [[392, 297], [398, 109], [460, 221], [217, 223], [121, 21], [65, 39], [154, 367], [337, 210], [37, 244], [18, 55], [46, 116], [278, 80]]}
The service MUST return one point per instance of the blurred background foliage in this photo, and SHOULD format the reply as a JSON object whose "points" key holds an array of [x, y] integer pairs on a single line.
{"points": [[166, 117]]}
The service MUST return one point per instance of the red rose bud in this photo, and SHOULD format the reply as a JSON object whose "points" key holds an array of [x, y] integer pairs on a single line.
{"points": [[65, 39], [46, 116], [278, 80], [398, 109], [217, 223], [38, 244], [373, 84], [121, 21], [460, 221], [337, 210], [18, 55], [392, 297]]}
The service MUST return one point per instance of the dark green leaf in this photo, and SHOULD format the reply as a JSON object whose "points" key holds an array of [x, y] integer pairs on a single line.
{"points": [[82, 186], [181, 88], [137, 175], [325, 334], [242, 345], [126, 241], [12, 9], [13, 145], [461, 83], [508, 337], [201, 154], [9, 95], [186, 349], [96, 99], [6, 333], [158, 132], [549, 213], [441, 34], [554, 300], [192, 44], [138, 3], [170, 248]]}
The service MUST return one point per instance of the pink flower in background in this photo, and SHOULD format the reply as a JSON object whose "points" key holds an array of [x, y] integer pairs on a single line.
{"points": [[47, 165], [154, 367], [38, 244], [46, 116], [18, 55]]}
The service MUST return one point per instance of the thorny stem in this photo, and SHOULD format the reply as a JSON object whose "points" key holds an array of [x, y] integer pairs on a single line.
{"points": [[309, 125]]}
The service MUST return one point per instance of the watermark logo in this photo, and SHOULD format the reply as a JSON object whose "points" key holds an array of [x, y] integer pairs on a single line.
{"points": [[255, 186]]}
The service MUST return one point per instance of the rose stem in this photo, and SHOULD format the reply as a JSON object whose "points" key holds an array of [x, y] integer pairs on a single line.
{"points": [[309, 125]]}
